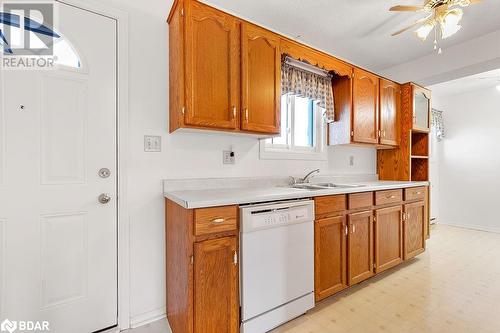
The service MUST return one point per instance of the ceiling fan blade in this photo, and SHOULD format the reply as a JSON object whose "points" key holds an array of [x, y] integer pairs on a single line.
{"points": [[406, 8], [411, 26]]}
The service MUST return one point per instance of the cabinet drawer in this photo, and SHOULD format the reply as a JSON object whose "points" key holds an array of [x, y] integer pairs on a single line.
{"points": [[387, 197], [213, 220], [360, 200], [329, 204], [415, 193]]}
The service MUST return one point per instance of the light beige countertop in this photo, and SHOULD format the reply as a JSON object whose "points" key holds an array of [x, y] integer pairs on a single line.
{"points": [[202, 198]]}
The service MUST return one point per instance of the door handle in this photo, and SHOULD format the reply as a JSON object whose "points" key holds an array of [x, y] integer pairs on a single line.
{"points": [[104, 198]]}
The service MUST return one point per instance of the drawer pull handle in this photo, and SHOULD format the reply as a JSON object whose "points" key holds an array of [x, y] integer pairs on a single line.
{"points": [[218, 220], [418, 193], [391, 197]]}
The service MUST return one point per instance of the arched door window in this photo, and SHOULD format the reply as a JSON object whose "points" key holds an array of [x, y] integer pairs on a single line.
{"points": [[64, 53]]}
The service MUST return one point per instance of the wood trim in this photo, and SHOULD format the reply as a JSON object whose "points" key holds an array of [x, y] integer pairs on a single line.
{"points": [[179, 271]]}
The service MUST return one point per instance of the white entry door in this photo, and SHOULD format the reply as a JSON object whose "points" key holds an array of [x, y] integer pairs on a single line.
{"points": [[58, 242]]}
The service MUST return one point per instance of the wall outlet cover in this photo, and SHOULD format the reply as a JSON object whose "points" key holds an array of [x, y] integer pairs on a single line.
{"points": [[228, 157], [152, 143]]}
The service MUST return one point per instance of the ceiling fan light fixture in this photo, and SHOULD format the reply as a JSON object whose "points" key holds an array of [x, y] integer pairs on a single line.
{"points": [[450, 22], [424, 31]]}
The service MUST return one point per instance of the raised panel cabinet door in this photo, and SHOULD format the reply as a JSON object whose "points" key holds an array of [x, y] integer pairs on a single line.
{"points": [[212, 68], [260, 80], [330, 274], [421, 108], [360, 247], [390, 106], [414, 229], [216, 304], [388, 237], [365, 107]]}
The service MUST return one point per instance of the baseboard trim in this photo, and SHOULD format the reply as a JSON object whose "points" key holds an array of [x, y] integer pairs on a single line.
{"points": [[148, 317], [476, 227]]}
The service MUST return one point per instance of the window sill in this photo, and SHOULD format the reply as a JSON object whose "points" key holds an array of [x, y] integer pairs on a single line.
{"points": [[291, 155]]}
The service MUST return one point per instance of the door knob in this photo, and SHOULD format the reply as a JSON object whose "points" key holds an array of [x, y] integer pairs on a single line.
{"points": [[104, 198]]}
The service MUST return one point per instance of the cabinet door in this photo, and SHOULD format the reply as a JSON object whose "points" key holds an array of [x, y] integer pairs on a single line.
{"points": [[330, 273], [388, 237], [260, 80], [390, 102], [360, 247], [212, 68], [216, 304], [365, 107], [421, 108], [414, 229]]}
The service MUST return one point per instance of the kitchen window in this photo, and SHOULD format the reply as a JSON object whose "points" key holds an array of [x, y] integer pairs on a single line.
{"points": [[302, 131]]}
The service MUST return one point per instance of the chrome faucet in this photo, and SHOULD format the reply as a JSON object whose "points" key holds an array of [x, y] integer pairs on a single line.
{"points": [[306, 177]]}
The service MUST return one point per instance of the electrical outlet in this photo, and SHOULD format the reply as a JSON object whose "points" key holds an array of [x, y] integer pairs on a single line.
{"points": [[228, 157], [351, 160], [152, 143]]}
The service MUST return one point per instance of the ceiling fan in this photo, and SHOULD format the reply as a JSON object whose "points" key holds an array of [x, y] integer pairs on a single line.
{"points": [[444, 13]]}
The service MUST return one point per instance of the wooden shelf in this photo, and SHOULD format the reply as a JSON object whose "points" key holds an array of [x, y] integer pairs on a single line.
{"points": [[419, 144], [419, 156], [420, 130], [419, 169]]}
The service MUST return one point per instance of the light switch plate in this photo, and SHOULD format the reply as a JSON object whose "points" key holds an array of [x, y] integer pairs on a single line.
{"points": [[152, 143]]}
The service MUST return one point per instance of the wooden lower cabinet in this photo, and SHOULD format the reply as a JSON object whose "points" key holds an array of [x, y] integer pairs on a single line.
{"points": [[330, 242], [414, 229], [216, 300], [360, 247], [388, 237]]}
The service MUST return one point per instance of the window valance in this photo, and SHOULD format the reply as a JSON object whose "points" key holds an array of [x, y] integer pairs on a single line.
{"points": [[301, 82]]}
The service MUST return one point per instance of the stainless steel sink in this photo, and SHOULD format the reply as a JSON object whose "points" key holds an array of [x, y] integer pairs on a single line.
{"points": [[324, 186]]}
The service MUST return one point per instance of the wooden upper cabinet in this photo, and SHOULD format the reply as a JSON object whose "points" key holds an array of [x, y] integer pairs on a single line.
{"points": [[330, 264], [216, 302], [260, 79], [421, 108], [390, 108], [360, 247], [414, 229], [388, 237], [212, 68], [365, 107]]}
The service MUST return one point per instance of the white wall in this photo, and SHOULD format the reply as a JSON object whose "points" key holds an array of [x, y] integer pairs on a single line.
{"points": [[469, 161], [184, 155]]}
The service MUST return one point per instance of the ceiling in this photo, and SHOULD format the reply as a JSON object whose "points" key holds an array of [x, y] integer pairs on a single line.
{"points": [[359, 30], [481, 81]]}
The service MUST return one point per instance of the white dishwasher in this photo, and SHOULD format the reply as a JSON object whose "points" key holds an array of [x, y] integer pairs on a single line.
{"points": [[277, 263]]}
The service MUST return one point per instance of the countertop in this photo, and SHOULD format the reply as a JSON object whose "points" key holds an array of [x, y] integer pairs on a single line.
{"points": [[238, 196]]}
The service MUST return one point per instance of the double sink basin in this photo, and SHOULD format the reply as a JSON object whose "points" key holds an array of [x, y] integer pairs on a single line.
{"points": [[324, 186]]}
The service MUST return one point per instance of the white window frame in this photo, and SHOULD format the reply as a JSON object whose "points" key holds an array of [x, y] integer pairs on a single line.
{"points": [[292, 152]]}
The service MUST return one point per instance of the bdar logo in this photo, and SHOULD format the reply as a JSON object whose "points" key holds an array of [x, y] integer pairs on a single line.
{"points": [[8, 326]]}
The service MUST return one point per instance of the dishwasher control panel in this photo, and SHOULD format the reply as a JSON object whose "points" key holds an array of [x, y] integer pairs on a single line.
{"points": [[275, 215]]}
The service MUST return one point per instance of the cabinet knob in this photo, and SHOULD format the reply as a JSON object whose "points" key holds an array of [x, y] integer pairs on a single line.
{"points": [[218, 220]]}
